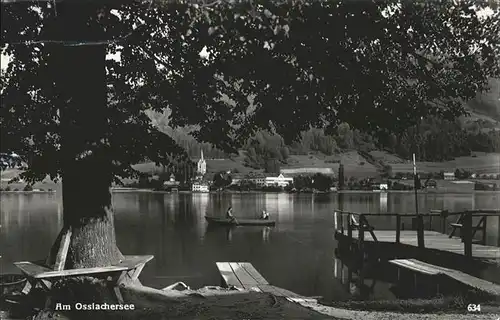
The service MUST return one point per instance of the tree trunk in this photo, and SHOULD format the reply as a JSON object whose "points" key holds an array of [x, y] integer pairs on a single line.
{"points": [[80, 82]]}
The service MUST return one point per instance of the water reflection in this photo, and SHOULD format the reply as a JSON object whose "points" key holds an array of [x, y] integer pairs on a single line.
{"points": [[297, 254], [29, 226], [229, 234], [266, 231], [383, 202], [200, 207]]}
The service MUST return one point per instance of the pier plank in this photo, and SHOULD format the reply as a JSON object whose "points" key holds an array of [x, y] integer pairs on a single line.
{"points": [[267, 288], [245, 276], [227, 274], [253, 272], [411, 265], [467, 279], [246, 280]]}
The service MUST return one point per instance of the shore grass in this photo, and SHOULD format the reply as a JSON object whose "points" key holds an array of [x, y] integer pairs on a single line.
{"points": [[448, 304]]}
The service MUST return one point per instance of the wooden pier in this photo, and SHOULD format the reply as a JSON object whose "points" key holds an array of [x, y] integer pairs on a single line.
{"points": [[357, 228], [433, 240], [361, 241]]}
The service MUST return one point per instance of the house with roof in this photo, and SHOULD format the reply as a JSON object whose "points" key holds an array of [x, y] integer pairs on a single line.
{"points": [[279, 181], [449, 176], [171, 183]]}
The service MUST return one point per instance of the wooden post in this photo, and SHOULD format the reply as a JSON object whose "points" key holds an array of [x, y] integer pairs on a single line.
{"points": [[63, 250], [420, 231], [342, 228], [444, 217], [398, 228], [361, 240], [420, 221], [335, 220], [349, 278], [349, 227], [467, 234], [484, 229]]}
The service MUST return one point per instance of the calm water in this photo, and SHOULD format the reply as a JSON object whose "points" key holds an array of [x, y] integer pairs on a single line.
{"points": [[297, 254]]}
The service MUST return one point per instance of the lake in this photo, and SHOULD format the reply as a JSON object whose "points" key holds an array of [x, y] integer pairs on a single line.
{"points": [[297, 254]]}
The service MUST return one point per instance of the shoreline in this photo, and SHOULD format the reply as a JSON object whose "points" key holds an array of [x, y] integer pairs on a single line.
{"points": [[28, 192], [214, 302], [125, 190], [144, 190]]}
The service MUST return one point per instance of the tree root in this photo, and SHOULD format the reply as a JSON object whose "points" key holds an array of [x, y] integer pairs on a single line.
{"points": [[275, 301]]}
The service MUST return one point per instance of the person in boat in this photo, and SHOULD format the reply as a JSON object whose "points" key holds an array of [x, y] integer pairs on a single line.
{"points": [[265, 215], [229, 214]]}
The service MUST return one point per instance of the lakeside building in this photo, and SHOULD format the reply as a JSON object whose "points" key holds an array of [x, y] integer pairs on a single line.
{"points": [[172, 183], [380, 186], [263, 180], [279, 181], [200, 187], [307, 171], [431, 184], [449, 176]]}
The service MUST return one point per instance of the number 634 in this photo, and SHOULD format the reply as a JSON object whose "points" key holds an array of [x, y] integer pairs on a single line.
{"points": [[474, 307]]}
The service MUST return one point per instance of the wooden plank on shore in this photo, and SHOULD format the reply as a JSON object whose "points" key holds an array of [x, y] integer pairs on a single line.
{"points": [[228, 275], [290, 294], [253, 272], [243, 276], [477, 283], [132, 262], [464, 278], [30, 269], [79, 272], [280, 292], [63, 250], [409, 264], [272, 290]]}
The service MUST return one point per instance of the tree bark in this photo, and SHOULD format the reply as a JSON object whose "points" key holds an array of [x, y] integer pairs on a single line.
{"points": [[80, 83]]}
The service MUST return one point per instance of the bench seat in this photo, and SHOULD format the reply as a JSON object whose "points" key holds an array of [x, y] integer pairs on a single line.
{"points": [[38, 275]]}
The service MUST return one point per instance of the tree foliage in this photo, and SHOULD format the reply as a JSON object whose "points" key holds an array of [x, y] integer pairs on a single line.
{"points": [[376, 65], [221, 180], [264, 148], [441, 140]]}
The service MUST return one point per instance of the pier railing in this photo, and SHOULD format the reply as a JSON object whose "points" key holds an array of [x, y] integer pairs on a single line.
{"points": [[349, 221]]}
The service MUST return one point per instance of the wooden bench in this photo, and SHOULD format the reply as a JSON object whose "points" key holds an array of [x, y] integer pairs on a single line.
{"points": [[481, 226], [243, 275], [41, 276], [355, 225]]}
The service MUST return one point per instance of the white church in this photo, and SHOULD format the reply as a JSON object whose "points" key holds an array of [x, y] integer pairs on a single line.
{"points": [[202, 166], [201, 169]]}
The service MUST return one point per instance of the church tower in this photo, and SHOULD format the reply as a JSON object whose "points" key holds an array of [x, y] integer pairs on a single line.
{"points": [[202, 165]]}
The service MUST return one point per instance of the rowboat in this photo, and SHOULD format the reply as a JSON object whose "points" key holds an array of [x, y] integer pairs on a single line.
{"points": [[239, 222]]}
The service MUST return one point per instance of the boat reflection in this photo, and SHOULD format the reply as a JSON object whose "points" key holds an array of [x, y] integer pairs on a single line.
{"points": [[266, 231]]}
